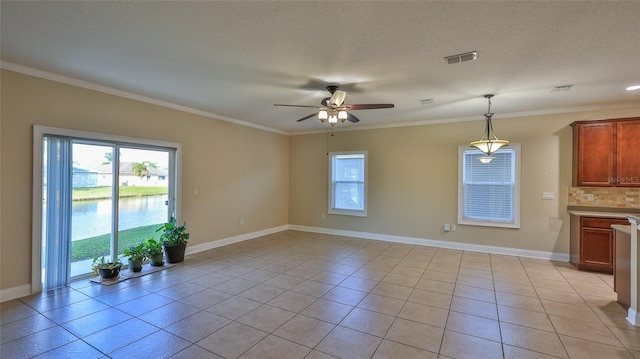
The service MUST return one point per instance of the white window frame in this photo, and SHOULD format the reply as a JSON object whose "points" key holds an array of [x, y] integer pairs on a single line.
{"points": [[516, 195], [347, 212]]}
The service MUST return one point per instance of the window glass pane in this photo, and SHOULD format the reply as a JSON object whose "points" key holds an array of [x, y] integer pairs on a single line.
{"points": [[488, 202], [92, 205], [499, 170], [348, 168], [348, 190], [488, 189], [349, 196], [143, 188]]}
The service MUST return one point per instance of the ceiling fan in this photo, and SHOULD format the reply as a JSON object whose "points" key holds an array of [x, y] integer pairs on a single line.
{"points": [[333, 109]]}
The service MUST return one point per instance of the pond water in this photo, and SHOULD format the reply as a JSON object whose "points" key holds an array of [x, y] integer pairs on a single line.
{"points": [[93, 218]]}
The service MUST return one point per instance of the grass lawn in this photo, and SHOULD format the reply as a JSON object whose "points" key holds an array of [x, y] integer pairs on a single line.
{"points": [[89, 193], [99, 246]]}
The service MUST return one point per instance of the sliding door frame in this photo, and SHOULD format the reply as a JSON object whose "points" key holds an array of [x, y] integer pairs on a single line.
{"points": [[39, 132]]}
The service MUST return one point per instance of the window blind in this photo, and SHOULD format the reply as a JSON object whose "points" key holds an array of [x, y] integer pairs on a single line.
{"points": [[489, 188], [347, 182]]}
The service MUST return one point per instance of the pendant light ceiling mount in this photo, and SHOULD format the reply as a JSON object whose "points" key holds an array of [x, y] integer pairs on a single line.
{"points": [[489, 143]]}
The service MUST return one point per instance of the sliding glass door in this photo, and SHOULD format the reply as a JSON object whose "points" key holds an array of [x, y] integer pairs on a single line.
{"points": [[98, 198]]}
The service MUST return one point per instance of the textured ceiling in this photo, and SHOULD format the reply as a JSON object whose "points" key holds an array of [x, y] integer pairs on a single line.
{"points": [[236, 59]]}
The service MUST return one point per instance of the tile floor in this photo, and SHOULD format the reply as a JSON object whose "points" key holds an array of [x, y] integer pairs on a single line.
{"points": [[305, 295]]}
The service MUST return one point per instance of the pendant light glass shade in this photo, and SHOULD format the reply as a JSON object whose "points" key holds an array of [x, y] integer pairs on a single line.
{"points": [[489, 146], [489, 143], [486, 159], [323, 115], [342, 115], [333, 119]]}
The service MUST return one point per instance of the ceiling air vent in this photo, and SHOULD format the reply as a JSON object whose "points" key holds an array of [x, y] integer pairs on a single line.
{"points": [[563, 88], [468, 56], [426, 102]]}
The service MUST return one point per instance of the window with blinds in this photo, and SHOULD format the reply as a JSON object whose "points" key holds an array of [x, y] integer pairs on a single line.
{"points": [[347, 182], [488, 193]]}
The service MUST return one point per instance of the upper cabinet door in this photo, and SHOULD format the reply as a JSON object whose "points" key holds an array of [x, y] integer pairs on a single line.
{"points": [[628, 154], [596, 153]]}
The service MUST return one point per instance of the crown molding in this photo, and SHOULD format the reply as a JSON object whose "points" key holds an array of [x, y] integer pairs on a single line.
{"points": [[129, 95]]}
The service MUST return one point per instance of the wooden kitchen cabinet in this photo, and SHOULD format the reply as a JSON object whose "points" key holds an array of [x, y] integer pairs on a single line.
{"points": [[605, 153], [591, 245], [622, 267], [628, 153]]}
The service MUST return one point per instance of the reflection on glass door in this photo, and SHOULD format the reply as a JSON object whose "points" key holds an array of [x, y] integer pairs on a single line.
{"points": [[143, 186]]}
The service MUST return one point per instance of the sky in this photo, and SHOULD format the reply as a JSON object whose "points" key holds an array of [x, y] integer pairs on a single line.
{"points": [[91, 155]]}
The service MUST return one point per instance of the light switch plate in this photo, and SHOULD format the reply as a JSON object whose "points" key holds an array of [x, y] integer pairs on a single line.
{"points": [[548, 195]]}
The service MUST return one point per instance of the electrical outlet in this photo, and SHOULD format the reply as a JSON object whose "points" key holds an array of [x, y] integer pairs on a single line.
{"points": [[322, 216], [590, 197], [241, 220], [447, 227], [453, 227]]}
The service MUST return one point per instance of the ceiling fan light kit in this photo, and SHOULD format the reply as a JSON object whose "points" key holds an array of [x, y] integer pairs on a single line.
{"points": [[489, 143]]}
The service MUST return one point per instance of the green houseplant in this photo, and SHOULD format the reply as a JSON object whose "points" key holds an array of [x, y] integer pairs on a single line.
{"points": [[174, 240], [153, 251], [106, 270], [136, 255]]}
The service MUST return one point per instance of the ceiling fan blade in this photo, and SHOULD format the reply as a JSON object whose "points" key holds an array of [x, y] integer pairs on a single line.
{"points": [[277, 104], [352, 118], [337, 98], [306, 117], [370, 106]]}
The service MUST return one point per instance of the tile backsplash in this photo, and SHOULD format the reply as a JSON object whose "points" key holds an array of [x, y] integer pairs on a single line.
{"points": [[612, 197]]}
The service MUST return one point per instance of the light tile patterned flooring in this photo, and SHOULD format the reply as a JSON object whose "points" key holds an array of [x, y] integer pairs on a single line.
{"points": [[305, 295]]}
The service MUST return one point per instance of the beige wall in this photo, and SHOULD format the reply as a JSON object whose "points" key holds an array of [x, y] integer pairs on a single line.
{"points": [[240, 172], [270, 180], [413, 174]]}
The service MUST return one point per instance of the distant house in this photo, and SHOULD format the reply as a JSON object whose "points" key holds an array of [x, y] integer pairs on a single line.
{"points": [[156, 177], [83, 177]]}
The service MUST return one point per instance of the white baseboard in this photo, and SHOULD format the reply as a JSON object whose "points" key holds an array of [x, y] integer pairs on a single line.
{"points": [[235, 239], [25, 289], [633, 317], [15, 292], [561, 257]]}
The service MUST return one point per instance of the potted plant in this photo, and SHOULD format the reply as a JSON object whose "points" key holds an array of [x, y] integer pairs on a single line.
{"points": [[174, 240], [106, 270], [136, 255], [153, 251]]}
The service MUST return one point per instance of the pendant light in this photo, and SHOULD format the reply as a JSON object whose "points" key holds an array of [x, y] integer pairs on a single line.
{"points": [[489, 143]]}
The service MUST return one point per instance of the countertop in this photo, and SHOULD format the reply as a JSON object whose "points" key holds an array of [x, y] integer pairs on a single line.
{"points": [[601, 214], [622, 228]]}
